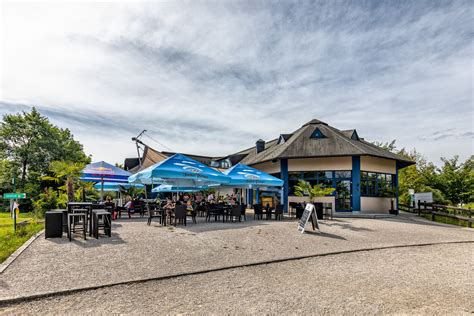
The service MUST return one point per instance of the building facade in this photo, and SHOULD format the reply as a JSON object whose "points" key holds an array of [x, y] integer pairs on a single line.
{"points": [[364, 176]]}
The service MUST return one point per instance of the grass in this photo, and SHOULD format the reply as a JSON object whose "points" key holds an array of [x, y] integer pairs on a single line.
{"points": [[10, 240], [446, 220]]}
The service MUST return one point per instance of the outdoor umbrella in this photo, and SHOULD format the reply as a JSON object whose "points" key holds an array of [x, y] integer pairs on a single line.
{"points": [[102, 171], [170, 188], [180, 171], [116, 186], [243, 176]]}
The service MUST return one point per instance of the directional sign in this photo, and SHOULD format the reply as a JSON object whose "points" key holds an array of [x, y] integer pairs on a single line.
{"points": [[14, 195]]}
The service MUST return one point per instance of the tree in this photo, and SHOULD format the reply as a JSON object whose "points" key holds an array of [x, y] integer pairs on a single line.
{"points": [[66, 172], [30, 143], [456, 180], [452, 183], [304, 188]]}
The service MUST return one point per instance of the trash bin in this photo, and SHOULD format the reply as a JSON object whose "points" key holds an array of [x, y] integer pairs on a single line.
{"points": [[319, 210], [53, 226]]}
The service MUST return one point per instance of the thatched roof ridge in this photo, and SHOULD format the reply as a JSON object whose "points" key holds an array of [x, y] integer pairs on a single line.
{"points": [[335, 143]]}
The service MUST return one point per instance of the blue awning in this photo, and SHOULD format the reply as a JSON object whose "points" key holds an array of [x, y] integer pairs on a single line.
{"points": [[180, 171], [247, 177], [102, 171]]}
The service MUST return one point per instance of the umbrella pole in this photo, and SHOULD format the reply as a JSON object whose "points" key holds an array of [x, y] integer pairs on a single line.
{"points": [[102, 189]]}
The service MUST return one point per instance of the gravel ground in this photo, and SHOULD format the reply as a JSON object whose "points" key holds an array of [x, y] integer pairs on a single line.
{"points": [[137, 251], [417, 280]]}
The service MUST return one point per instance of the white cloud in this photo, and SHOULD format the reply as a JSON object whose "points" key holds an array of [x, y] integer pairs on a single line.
{"points": [[211, 78]]}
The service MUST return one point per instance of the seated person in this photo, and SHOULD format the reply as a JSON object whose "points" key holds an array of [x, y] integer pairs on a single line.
{"points": [[189, 206], [109, 204], [129, 206], [169, 207]]}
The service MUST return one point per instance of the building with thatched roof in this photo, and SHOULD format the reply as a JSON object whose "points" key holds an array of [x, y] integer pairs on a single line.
{"points": [[364, 176]]}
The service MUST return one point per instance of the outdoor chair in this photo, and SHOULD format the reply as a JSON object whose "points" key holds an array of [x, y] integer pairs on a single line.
{"points": [[212, 211], [156, 212], [180, 214], [235, 213], [258, 211], [101, 219], [279, 212], [138, 208], [267, 210], [77, 217], [243, 209], [201, 210], [192, 214]]}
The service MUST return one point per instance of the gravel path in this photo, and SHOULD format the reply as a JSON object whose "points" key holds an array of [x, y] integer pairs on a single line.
{"points": [[137, 251], [416, 280]]}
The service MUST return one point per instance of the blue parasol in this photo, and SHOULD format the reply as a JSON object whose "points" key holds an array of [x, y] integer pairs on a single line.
{"points": [[102, 171], [243, 176], [180, 171], [116, 186]]}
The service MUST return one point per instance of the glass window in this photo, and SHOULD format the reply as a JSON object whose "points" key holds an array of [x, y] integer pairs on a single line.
{"points": [[309, 175], [343, 174], [294, 175], [326, 183], [377, 184]]}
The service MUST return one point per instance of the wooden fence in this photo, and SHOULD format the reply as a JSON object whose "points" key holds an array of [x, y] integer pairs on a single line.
{"points": [[460, 214]]}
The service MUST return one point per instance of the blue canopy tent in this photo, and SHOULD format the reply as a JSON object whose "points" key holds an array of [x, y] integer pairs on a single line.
{"points": [[102, 171], [180, 171], [243, 176], [116, 186], [169, 188]]}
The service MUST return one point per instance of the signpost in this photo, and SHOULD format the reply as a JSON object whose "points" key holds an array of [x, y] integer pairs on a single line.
{"points": [[309, 213], [14, 196], [14, 204], [424, 197]]}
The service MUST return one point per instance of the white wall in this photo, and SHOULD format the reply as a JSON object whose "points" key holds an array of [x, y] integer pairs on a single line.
{"points": [[375, 164], [322, 199], [379, 205], [320, 164], [268, 167]]}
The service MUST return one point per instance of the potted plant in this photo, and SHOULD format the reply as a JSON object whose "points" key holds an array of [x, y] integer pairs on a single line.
{"points": [[304, 188]]}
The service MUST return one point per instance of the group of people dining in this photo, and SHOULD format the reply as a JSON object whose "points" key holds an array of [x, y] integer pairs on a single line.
{"points": [[170, 201]]}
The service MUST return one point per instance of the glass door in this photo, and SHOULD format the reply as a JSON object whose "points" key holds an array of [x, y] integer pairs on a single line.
{"points": [[343, 195]]}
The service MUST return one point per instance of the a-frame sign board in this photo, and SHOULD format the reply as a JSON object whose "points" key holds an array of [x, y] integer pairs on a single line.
{"points": [[308, 214]]}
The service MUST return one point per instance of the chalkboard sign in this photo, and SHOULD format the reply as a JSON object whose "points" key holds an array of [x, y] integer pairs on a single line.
{"points": [[309, 213]]}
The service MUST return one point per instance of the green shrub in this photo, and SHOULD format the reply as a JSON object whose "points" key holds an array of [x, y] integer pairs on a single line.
{"points": [[46, 201]]}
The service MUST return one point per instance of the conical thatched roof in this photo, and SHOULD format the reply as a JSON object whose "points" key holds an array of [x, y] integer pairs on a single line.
{"points": [[334, 143]]}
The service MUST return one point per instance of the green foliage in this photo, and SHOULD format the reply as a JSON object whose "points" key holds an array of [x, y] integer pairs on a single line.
{"points": [[66, 173], [46, 201], [9, 240], [452, 183], [36, 152], [30, 143], [304, 188]]}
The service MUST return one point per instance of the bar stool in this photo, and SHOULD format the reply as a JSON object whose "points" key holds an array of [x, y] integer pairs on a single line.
{"points": [[101, 219], [77, 217]]}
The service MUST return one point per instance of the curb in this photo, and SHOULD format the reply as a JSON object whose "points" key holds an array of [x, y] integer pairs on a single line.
{"points": [[11, 301], [13, 256]]}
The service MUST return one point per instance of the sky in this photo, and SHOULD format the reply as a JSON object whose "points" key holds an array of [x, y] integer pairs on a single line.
{"points": [[212, 77]]}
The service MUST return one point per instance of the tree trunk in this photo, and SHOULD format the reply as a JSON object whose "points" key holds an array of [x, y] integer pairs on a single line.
{"points": [[23, 172], [70, 190]]}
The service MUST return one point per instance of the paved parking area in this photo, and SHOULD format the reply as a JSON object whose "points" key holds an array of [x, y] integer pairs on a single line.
{"points": [[427, 280], [137, 251]]}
